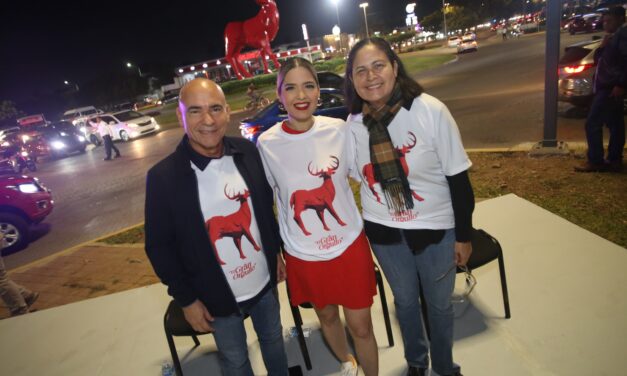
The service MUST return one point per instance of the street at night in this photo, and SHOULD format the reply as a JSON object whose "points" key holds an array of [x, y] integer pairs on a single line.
{"points": [[496, 95]]}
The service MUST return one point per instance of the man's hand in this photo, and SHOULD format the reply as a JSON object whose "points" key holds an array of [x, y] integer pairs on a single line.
{"points": [[617, 92], [281, 273], [198, 317], [462, 252]]}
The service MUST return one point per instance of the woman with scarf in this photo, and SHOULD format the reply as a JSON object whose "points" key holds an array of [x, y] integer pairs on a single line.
{"points": [[416, 196]]}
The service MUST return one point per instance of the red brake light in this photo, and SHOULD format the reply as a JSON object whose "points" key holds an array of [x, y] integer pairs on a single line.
{"points": [[577, 68]]}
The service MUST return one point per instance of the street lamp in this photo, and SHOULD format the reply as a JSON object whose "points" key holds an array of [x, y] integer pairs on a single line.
{"points": [[71, 83], [444, 5], [364, 6], [337, 13], [129, 65]]}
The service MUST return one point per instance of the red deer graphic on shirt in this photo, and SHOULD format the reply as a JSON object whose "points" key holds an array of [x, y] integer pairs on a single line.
{"points": [[318, 199], [232, 226], [368, 169]]}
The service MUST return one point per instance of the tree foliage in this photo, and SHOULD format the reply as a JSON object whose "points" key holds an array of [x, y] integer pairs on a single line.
{"points": [[8, 110]]}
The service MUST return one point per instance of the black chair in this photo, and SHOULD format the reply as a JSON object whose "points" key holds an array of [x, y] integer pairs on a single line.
{"points": [[485, 248], [298, 320], [175, 325]]}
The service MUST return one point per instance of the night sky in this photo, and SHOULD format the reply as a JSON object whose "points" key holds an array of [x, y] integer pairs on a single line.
{"points": [[44, 43]]}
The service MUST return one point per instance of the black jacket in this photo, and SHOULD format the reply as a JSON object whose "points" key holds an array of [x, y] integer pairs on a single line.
{"points": [[611, 62], [177, 242]]}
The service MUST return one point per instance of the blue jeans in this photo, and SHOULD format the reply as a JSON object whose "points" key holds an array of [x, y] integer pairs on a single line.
{"points": [[609, 111], [405, 272], [230, 337]]}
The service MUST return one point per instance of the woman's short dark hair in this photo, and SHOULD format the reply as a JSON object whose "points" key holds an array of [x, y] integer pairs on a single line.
{"points": [[409, 87], [290, 64]]}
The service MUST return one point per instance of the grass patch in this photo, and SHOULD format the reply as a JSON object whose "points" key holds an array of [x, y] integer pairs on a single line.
{"points": [[592, 201], [134, 235], [415, 62]]}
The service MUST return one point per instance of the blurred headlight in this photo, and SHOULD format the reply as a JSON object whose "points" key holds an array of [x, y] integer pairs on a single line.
{"points": [[57, 145], [28, 188], [83, 129], [81, 138], [132, 125], [63, 134], [25, 138], [24, 154], [6, 143]]}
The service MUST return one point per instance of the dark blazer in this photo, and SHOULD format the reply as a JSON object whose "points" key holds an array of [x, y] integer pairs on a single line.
{"points": [[177, 242], [611, 62]]}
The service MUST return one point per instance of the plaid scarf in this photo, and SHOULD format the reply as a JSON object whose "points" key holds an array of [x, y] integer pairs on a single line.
{"points": [[387, 167]]}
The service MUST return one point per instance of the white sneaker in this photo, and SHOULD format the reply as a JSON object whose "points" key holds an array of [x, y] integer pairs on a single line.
{"points": [[349, 368]]}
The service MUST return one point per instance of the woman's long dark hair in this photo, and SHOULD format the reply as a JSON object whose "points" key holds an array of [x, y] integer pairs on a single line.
{"points": [[410, 88]]}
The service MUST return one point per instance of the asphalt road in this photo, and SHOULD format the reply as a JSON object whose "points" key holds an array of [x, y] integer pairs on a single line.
{"points": [[495, 94]]}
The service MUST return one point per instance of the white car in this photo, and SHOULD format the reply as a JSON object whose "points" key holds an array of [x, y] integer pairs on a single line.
{"points": [[469, 35], [454, 41], [78, 116], [129, 124], [467, 44]]}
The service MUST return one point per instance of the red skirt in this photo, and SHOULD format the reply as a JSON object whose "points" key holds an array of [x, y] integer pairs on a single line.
{"points": [[347, 280]]}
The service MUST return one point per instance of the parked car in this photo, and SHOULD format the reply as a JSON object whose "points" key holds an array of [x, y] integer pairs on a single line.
{"points": [[453, 41], [23, 202], [128, 125], [330, 80], [331, 104], [55, 141], [585, 24], [467, 44], [576, 74], [576, 70], [169, 98]]}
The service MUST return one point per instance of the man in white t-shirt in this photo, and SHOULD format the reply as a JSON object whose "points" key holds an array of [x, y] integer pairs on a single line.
{"points": [[211, 234], [106, 133]]}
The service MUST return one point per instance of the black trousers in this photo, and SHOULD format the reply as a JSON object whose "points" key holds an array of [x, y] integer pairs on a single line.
{"points": [[108, 144]]}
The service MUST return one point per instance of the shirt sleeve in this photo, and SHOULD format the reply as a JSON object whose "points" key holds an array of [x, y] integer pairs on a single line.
{"points": [[448, 143], [463, 201], [351, 153], [266, 166]]}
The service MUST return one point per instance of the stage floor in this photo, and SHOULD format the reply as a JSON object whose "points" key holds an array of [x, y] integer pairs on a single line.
{"points": [[567, 297]]}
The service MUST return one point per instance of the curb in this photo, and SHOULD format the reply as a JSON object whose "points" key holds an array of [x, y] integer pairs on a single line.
{"points": [[70, 250]]}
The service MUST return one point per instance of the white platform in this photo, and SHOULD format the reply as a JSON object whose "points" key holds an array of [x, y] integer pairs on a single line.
{"points": [[567, 292]]}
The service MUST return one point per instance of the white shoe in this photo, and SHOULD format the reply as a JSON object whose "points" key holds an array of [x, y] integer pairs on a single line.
{"points": [[349, 368]]}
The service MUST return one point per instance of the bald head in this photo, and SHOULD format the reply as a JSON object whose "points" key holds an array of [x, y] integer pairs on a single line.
{"points": [[204, 115], [200, 85]]}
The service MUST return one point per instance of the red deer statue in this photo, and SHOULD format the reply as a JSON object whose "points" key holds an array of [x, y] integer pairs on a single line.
{"points": [[368, 170], [256, 32], [232, 226], [318, 199]]}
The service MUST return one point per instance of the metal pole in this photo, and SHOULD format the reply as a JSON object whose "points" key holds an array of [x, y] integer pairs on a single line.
{"points": [[337, 12], [366, 19], [444, 15], [550, 74]]}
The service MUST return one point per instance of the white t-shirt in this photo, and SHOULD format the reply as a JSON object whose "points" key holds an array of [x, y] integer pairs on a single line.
{"points": [[428, 137], [103, 128], [229, 219], [309, 173]]}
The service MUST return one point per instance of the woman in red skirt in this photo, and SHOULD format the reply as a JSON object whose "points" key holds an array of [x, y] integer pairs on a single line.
{"points": [[307, 161]]}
